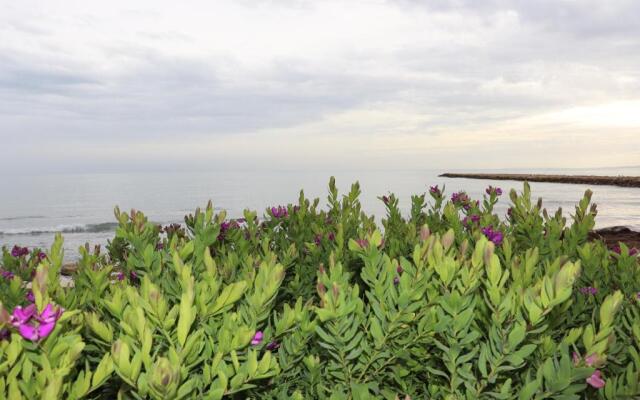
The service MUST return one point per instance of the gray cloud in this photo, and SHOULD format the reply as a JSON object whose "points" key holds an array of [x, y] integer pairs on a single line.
{"points": [[460, 63]]}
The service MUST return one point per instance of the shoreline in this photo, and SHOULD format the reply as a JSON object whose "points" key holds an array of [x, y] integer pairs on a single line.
{"points": [[620, 181]]}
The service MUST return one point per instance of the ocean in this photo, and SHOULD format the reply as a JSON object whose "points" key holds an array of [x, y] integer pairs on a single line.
{"points": [[34, 207]]}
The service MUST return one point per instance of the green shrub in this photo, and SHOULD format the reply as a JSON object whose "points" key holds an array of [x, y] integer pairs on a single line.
{"points": [[450, 302]]}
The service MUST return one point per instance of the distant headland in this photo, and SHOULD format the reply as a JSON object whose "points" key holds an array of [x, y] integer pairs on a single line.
{"points": [[623, 181]]}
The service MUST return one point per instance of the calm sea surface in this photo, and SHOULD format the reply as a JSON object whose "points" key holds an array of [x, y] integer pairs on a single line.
{"points": [[34, 207]]}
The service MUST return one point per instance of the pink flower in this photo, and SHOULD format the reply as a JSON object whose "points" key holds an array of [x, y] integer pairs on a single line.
{"points": [[257, 338], [363, 243], [591, 360], [595, 380], [32, 326]]}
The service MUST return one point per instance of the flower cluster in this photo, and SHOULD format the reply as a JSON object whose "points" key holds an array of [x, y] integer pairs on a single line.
{"points": [[493, 235], [471, 219], [460, 198], [279, 212], [8, 275], [225, 227], [632, 251], [18, 251], [33, 326], [494, 190]]}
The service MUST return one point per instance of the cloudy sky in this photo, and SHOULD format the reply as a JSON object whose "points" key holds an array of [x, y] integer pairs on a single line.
{"points": [[122, 85]]}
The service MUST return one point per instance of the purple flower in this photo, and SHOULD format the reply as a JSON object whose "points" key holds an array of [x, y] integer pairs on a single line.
{"points": [[471, 219], [33, 326], [4, 334], [495, 236], [273, 346], [385, 199], [18, 251], [363, 243], [257, 338], [30, 297], [8, 275], [318, 240], [490, 190], [332, 236], [279, 212], [120, 276], [41, 256], [396, 281], [589, 290], [133, 275], [460, 198], [435, 190], [399, 270], [159, 246], [595, 380], [633, 251]]}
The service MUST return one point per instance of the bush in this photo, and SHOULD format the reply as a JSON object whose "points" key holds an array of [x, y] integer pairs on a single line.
{"points": [[450, 302]]}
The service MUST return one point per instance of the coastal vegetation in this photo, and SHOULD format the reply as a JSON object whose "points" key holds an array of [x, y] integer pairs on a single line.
{"points": [[447, 301]]}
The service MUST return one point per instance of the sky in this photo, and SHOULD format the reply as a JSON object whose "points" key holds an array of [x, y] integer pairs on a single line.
{"points": [[95, 86]]}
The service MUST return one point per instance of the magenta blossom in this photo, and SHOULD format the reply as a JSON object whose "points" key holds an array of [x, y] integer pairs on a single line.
{"points": [[589, 290], [435, 190], [33, 326], [257, 338], [595, 380], [495, 236], [332, 236], [363, 243], [120, 276], [495, 190], [318, 240], [30, 297], [399, 270]]}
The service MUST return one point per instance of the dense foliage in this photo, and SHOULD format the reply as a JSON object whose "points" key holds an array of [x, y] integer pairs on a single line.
{"points": [[448, 302]]}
